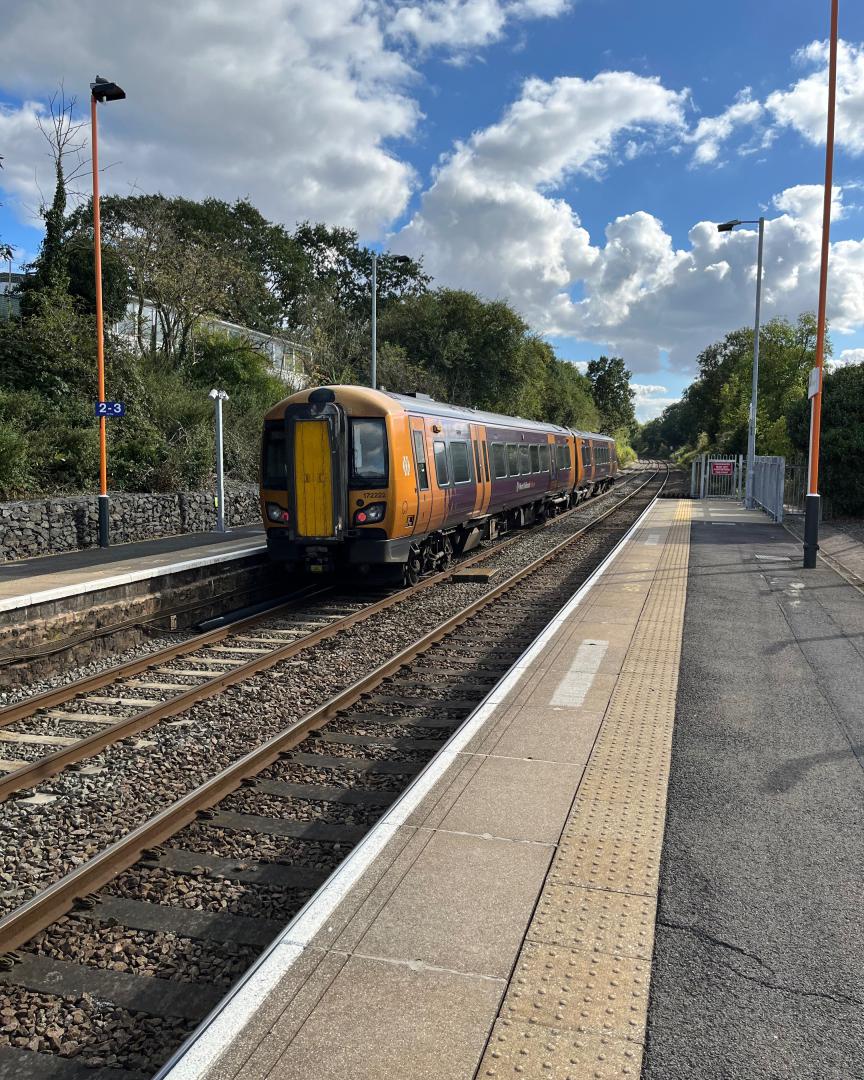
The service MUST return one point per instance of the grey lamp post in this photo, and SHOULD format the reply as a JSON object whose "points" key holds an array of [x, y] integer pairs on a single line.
{"points": [[400, 259], [728, 226], [218, 397]]}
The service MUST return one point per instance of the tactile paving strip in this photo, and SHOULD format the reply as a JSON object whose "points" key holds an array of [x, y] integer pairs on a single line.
{"points": [[577, 1003]]}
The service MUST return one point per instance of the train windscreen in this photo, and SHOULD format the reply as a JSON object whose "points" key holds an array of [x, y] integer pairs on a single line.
{"points": [[274, 465], [368, 453]]}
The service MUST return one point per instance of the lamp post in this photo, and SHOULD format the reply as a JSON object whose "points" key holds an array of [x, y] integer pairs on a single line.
{"points": [[728, 226], [100, 90], [218, 397], [811, 503], [400, 259]]}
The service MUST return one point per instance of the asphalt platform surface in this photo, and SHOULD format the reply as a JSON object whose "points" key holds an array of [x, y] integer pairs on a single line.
{"points": [[759, 954]]}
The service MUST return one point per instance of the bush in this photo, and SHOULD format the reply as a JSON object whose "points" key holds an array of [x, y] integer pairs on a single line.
{"points": [[842, 441]]}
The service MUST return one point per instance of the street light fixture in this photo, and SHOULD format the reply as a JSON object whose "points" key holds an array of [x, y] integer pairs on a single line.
{"points": [[397, 259], [101, 90], [728, 226], [218, 397]]}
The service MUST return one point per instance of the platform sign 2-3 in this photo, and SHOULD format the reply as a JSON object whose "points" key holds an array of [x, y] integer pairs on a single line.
{"points": [[110, 408], [722, 468]]}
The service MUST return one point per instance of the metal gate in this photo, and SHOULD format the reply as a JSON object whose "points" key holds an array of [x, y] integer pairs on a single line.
{"points": [[713, 476]]}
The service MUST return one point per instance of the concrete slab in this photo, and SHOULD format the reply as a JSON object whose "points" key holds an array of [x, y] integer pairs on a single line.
{"points": [[486, 886], [394, 1021]]}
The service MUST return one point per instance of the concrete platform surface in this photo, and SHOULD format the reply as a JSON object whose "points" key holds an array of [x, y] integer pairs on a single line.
{"points": [[52, 577], [499, 920], [759, 953]]}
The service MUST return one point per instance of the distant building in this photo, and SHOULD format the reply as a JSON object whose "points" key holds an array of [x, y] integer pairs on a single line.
{"points": [[9, 304], [287, 358]]}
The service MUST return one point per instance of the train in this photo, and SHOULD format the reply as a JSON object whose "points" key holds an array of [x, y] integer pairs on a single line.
{"points": [[372, 482]]}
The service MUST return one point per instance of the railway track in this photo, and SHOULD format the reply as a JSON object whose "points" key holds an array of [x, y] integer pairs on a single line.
{"points": [[104, 986], [60, 728]]}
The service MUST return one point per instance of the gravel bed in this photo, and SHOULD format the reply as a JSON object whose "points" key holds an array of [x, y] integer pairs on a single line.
{"points": [[163, 955], [49, 725], [91, 812], [258, 847], [154, 643], [372, 753], [26, 751], [293, 773], [249, 801], [353, 724], [203, 893], [95, 1032]]}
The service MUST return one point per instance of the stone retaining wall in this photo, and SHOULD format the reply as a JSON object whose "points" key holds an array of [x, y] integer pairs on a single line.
{"points": [[49, 526]]}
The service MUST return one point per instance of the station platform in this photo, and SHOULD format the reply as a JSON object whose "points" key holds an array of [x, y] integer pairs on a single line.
{"points": [[25, 583], [531, 908]]}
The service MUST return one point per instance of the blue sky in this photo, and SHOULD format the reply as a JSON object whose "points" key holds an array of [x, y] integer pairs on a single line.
{"points": [[560, 154]]}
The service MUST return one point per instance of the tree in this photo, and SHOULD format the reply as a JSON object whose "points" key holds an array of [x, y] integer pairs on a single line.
{"points": [[842, 438], [49, 271], [610, 387]]}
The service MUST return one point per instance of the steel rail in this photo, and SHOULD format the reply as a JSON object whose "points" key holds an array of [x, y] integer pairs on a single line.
{"points": [[56, 900], [33, 772]]}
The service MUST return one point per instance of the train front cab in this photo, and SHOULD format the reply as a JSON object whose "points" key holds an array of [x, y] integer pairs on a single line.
{"points": [[327, 478]]}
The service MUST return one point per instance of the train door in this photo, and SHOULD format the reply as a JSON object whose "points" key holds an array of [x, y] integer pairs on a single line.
{"points": [[481, 487], [313, 482], [423, 474]]}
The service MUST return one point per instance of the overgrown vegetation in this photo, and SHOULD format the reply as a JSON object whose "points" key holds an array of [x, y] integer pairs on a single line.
{"points": [[169, 264], [713, 413]]}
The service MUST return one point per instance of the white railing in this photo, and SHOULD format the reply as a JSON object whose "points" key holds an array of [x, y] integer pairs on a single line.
{"points": [[768, 478]]}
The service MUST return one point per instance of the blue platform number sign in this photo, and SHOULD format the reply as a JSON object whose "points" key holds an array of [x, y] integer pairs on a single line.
{"points": [[110, 408]]}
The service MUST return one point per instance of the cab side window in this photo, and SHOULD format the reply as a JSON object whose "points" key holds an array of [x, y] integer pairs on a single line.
{"points": [[442, 470], [420, 460]]}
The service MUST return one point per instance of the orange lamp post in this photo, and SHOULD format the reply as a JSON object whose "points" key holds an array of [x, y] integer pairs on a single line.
{"points": [[100, 90], [811, 506]]}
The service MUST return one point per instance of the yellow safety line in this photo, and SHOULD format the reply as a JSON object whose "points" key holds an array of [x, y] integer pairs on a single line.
{"points": [[576, 1007]]}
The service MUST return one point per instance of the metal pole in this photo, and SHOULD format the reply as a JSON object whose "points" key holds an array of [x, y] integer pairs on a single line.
{"points": [[754, 392], [373, 379], [100, 332], [220, 472], [811, 506]]}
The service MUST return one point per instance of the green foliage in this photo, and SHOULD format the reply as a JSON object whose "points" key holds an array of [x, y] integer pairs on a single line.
{"points": [[625, 451], [842, 438], [610, 388], [82, 279]]}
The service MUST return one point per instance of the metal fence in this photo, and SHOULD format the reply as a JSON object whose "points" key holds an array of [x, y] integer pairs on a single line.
{"points": [[769, 475], [713, 476]]}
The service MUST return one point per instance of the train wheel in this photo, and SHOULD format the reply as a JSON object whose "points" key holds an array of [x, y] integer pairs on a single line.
{"points": [[413, 568]]}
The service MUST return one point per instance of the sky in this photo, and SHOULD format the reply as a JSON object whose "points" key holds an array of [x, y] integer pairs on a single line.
{"points": [[570, 156]]}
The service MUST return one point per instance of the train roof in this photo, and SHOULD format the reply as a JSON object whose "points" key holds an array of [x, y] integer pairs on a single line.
{"points": [[423, 405]]}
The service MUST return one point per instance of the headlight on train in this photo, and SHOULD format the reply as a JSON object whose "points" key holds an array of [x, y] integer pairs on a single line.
{"points": [[370, 514], [276, 513]]}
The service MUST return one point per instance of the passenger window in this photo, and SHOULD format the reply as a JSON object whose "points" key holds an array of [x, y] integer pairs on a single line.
{"points": [[461, 462], [586, 455], [420, 461], [544, 457], [499, 460], [513, 459], [486, 461], [524, 460], [535, 458], [563, 457], [441, 470]]}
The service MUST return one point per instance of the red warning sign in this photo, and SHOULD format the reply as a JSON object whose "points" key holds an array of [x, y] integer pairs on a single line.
{"points": [[722, 468]]}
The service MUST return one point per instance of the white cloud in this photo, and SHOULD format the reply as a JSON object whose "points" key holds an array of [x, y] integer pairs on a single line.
{"points": [[494, 220], [488, 222], [650, 400], [292, 102], [803, 106], [712, 131], [847, 357], [464, 24]]}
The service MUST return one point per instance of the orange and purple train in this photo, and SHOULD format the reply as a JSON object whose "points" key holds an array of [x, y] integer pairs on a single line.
{"points": [[360, 478]]}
